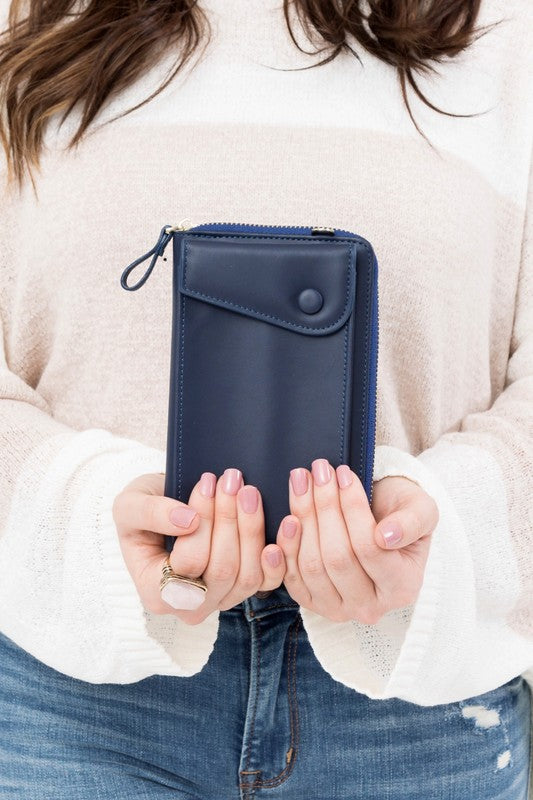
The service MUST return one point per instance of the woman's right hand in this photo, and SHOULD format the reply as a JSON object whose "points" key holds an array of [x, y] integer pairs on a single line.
{"points": [[224, 542]]}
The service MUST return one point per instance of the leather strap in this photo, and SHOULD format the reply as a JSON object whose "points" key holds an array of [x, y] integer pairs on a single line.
{"points": [[157, 250]]}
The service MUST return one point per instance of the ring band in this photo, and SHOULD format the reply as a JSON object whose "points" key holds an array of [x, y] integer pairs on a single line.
{"points": [[170, 575]]}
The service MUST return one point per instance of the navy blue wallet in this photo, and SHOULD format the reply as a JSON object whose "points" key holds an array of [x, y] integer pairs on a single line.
{"points": [[273, 356]]}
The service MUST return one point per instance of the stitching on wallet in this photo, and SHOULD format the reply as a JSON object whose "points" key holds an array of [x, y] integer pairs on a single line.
{"points": [[261, 313], [180, 403], [365, 370], [344, 382]]}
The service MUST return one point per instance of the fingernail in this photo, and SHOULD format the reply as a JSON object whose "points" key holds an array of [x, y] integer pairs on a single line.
{"points": [[182, 516], [289, 528], [249, 499], [231, 481], [274, 558], [298, 480], [392, 535], [182, 595], [208, 483], [321, 471], [344, 476]]}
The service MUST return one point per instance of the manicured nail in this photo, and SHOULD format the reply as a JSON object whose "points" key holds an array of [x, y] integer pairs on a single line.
{"points": [[208, 483], [344, 476], [274, 558], [182, 595], [289, 528], [249, 499], [182, 516], [321, 471], [299, 480], [392, 535], [231, 481]]}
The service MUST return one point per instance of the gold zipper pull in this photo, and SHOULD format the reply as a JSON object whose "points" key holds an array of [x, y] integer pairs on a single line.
{"points": [[179, 227], [319, 231]]}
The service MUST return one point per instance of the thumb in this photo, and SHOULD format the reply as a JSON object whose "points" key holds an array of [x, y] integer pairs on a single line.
{"points": [[414, 520], [141, 505], [142, 518]]}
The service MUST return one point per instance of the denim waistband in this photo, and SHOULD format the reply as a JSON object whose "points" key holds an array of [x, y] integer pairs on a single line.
{"points": [[258, 607]]}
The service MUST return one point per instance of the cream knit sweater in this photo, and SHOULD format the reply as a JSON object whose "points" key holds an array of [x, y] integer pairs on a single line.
{"points": [[84, 365]]}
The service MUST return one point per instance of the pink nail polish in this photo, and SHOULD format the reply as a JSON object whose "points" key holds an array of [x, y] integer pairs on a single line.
{"points": [[289, 528], [231, 481], [208, 483], [182, 516], [274, 558], [344, 476], [249, 499], [392, 535], [298, 481], [321, 471]]}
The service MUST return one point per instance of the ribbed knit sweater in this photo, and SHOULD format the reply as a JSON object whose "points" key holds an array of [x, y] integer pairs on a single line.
{"points": [[240, 136]]}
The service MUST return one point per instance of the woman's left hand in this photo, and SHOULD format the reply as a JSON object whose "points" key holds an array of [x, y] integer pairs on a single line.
{"points": [[345, 560]]}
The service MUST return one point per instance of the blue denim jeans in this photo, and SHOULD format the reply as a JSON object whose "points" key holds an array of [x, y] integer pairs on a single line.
{"points": [[261, 721]]}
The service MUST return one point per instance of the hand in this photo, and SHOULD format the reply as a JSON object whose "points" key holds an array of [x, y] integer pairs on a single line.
{"points": [[220, 537], [345, 561]]}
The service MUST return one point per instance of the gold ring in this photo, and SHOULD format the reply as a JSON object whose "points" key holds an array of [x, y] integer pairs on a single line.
{"points": [[170, 575], [189, 599]]}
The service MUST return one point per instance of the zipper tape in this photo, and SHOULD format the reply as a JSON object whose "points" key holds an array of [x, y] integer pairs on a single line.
{"points": [[167, 232]]}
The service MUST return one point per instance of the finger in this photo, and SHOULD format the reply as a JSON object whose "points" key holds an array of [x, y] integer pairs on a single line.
{"points": [[396, 574], [190, 554], [224, 559], [145, 553], [310, 563], [414, 517], [251, 529], [344, 569], [361, 525], [142, 507], [288, 538], [273, 565]]}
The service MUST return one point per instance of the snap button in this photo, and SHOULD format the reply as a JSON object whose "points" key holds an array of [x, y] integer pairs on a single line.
{"points": [[310, 301]]}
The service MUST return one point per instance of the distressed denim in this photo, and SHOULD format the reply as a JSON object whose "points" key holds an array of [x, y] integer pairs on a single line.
{"points": [[261, 721]]}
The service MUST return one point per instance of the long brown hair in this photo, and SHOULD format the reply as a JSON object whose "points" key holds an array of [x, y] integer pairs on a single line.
{"points": [[60, 53]]}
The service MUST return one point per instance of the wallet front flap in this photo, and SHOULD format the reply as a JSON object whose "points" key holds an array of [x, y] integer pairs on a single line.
{"points": [[304, 286]]}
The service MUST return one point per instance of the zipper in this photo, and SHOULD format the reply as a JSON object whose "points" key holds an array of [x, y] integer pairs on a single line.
{"points": [[168, 231], [374, 380], [315, 230]]}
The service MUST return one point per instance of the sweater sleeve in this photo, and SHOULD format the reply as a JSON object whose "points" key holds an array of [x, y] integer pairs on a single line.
{"points": [[66, 595], [471, 627]]}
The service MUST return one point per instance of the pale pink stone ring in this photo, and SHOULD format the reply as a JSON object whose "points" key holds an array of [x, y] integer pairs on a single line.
{"points": [[179, 591]]}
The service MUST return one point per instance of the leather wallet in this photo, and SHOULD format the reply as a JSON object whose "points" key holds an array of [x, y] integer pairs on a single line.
{"points": [[273, 355]]}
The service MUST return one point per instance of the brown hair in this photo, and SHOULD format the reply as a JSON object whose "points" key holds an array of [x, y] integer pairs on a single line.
{"points": [[65, 52]]}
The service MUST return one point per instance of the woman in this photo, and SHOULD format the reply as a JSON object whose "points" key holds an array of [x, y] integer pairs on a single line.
{"points": [[371, 651]]}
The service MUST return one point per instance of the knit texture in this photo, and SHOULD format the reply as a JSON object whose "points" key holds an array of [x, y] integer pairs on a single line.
{"points": [[84, 365]]}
